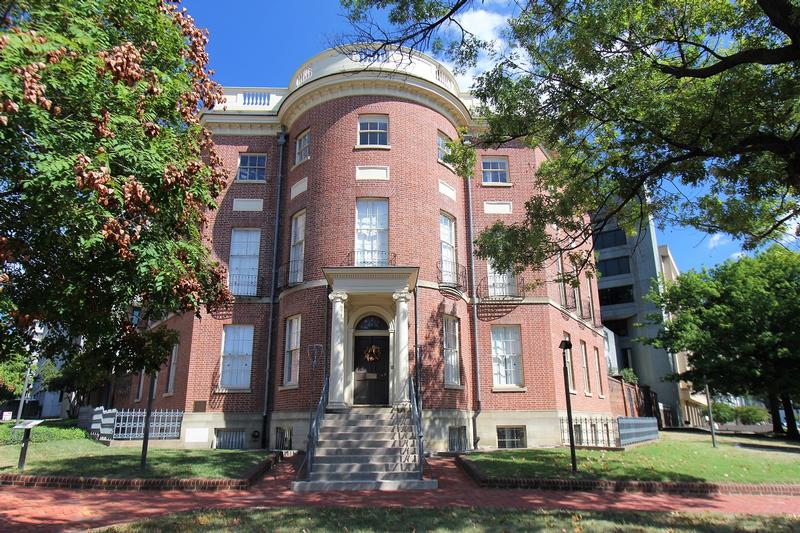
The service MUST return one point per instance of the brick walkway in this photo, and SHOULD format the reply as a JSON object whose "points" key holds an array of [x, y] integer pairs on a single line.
{"points": [[32, 509]]}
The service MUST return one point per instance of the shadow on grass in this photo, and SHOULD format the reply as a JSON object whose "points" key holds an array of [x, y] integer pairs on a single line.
{"points": [[555, 464], [160, 463], [454, 519], [768, 447]]}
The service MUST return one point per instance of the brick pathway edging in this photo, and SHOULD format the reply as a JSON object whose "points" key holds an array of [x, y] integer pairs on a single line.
{"points": [[195, 484], [690, 488]]}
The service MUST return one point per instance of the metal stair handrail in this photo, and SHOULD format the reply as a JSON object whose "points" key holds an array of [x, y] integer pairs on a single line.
{"points": [[313, 432], [416, 418]]}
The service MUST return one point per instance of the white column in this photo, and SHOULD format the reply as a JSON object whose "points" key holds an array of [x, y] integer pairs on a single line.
{"points": [[400, 376], [338, 332]]}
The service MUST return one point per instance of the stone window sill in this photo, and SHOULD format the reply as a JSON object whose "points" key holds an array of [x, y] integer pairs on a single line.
{"points": [[249, 181], [446, 165], [501, 388], [167, 394], [289, 386], [299, 163], [221, 390], [496, 184], [453, 386], [372, 147]]}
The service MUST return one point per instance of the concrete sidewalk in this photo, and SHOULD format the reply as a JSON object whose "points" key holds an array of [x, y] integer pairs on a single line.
{"points": [[42, 509]]}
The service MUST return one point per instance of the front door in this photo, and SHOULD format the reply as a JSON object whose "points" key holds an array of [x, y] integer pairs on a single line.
{"points": [[371, 370]]}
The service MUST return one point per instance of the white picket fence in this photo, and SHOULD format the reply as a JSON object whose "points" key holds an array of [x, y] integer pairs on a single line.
{"points": [[128, 424]]}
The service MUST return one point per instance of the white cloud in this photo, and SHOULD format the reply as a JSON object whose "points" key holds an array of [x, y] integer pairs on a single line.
{"points": [[737, 255], [485, 25], [790, 237], [717, 240]]}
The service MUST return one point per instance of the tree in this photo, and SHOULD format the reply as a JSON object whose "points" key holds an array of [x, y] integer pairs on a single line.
{"points": [[738, 322], [686, 110], [12, 376], [105, 175], [723, 413], [751, 414]]}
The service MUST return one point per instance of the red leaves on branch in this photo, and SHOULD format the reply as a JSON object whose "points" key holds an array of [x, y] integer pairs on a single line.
{"points": [[136, 198], [32, 88], [93, 179], [151, 129], [101, 128], [113, 232], [124, 62]]}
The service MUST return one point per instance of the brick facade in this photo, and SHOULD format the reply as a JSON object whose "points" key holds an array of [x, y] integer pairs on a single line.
{"points": [[415, 205]]}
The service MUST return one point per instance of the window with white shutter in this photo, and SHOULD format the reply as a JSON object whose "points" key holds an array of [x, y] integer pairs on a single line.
{"points": [[452, 372], [291, 356], [297, 248], [237, 357], [506, 355], [243, 264], [447, 236], [372, 232]]}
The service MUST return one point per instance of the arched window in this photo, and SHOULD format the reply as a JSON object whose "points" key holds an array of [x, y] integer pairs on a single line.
{"points": [[372, 322]]}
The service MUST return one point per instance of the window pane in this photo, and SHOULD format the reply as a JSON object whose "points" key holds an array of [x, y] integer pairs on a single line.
{"points": [[243, 263], [506, 356], [237, 356], [372, 232], [616, 295]]}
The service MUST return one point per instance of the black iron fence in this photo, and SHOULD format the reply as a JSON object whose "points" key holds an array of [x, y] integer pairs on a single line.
{"points": [[370, 258], [451, 275], [501, 287]]}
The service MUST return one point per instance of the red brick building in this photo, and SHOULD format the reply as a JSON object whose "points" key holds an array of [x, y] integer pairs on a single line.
{"points": [[347, 240]]}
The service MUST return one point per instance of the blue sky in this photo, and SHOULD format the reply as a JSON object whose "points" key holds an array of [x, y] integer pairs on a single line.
{"points": [[262, 42]]}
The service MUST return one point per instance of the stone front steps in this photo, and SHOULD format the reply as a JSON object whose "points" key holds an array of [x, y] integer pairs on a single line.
{"points": [[366, 448]]}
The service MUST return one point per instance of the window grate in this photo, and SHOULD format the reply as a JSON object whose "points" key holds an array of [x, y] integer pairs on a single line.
{"points": [[229, 439], [511, 437], [457, 439]]}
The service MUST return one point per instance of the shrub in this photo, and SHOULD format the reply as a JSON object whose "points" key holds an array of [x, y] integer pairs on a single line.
{"points": [[629, 376], [751, 414], [723, 413], [44, 432]]}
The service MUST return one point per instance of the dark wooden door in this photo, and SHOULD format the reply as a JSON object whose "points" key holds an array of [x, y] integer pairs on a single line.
{"points": [[371, 370]]}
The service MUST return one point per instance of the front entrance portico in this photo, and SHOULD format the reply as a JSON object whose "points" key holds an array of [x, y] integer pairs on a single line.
{"points": [[358, 293]]}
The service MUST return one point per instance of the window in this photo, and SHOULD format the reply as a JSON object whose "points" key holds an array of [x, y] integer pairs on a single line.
{"points": [[372, 232], [154, 378], [373, 130], [291, 355], [447, 235], [591, 298], [237, 357], [607, 239], [140, 386], [173, 365], [297, 248], [506, 355], [501, 284], [614, 266], [599, 372], [302, 147], [616, 295], [562, 286], [511, 437], [570, 376], [252, 167], [576, 290], [450, 328], [243, 264], [457, 438], [619, 327], [442, 149], [587, 379], [495, 170]]}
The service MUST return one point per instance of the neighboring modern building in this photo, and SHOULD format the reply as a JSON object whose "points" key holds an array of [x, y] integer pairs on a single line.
{"points": [[339, 182], [628, 267]]}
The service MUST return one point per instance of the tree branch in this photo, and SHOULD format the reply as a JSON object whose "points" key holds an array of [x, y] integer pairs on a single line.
{"points": [[760, 56]]}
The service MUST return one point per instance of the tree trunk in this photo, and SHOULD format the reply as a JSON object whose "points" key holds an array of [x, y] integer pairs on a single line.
{"points": [[791, 422], [774, 411]]}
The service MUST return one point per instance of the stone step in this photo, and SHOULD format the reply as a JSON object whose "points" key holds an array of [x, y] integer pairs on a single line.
{"points": [[325, 486], [359, 442], [348, 417], [407, 457], [349, 468], [349, 434], [362, 476], [333, 451], [366, 428]]}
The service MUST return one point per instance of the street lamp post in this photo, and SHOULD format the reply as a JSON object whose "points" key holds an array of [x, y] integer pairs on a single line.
{"points": [[567, 345]]}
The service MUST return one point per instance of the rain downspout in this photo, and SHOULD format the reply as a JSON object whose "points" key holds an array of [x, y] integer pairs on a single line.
{"points": [[265, 419], [474, 298]]}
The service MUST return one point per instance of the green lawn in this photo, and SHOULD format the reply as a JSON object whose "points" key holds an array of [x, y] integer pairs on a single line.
{"points": [[86, 457], [675, 457], [458, 519]]}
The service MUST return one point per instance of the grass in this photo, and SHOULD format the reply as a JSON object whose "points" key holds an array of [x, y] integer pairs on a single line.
{"points": [[48, 430], [457, 519], [87, 457], [675, 457]]}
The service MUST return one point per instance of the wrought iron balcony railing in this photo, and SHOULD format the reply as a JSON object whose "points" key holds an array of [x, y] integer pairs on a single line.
{"points": [[586, 309], [245, 283], [501, 287], [370, 258], [568, 297], [290, 274], [452, 275]]}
